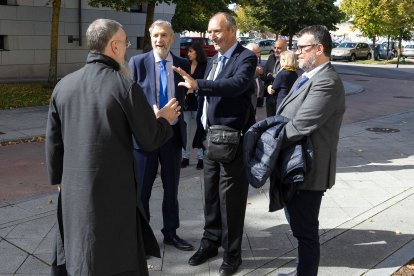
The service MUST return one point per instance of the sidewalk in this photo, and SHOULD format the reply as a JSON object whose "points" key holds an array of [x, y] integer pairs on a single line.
{"points": [[366, 220]]}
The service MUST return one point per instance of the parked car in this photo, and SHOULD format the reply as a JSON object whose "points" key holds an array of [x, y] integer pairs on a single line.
{"points": [[266, 45], [351, 51], [381, 52], [205, 43], [408, 51]]}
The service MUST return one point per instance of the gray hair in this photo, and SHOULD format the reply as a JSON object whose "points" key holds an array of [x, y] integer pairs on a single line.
{"points": [[99, 33], [161, 22]]}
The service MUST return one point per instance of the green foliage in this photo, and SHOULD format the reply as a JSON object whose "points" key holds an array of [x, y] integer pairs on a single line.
{"points": [[290, 16], [247, 20], [124, 5], [15, 95], [366, 15], [193, 15]]}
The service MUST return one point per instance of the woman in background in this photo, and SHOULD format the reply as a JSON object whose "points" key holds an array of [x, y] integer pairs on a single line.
{"points": [[285, 78], [198, 62]]}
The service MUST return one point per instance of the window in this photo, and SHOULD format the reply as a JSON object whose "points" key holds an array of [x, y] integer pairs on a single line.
{"points": [[136, 8], [140, 43], [3, 2], [3, 42]]}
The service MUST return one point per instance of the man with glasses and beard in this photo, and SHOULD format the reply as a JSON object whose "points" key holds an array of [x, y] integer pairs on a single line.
{"points": [[315, 106], [153, 72], [93, 113], [271, 68]]}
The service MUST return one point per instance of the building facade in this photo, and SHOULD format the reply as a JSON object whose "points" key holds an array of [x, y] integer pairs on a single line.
{"points": [[25, 27]]}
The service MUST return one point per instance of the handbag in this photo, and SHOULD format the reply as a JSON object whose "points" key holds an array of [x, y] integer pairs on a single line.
{"points": [[222, 143]]}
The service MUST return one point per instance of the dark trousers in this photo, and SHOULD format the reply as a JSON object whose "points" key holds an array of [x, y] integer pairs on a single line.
{"points": [[270, 105], [303, 210], [146, 164], [225, 192]]}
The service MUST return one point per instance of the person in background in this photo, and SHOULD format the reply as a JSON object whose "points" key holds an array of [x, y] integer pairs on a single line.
{"points": [[94, 111], [285, 78], [259, 71], [198, 63], [315, 106], [153, 72], [228, 87], [271, 68]]}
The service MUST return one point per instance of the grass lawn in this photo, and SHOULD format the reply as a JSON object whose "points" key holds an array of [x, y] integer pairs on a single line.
{"points": [[15, 95]]}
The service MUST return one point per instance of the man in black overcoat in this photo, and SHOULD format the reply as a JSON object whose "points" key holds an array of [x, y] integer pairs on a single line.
{"points": [[93, 114]]}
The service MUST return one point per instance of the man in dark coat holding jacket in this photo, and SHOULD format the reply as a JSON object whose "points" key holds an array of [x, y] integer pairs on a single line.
{"points": [[315, 106], [93, 113]]}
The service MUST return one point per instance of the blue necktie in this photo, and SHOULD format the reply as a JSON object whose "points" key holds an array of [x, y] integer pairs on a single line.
{"points": [[299, 84], [163, 84], [222, 61]]}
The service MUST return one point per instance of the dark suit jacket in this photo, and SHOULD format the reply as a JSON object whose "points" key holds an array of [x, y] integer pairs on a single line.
{"points": [[316, 110], [282, 84], [229, 95], [269, 70], [143, 72]]}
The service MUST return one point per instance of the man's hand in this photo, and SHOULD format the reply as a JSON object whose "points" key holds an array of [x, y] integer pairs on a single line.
{"points": [[259, 70], [270, 90], [190, 83], [170, 111]]}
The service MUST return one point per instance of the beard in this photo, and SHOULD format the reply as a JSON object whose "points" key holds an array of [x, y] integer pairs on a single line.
{"points": [[308, 65], [124, 69], [162, 52]]}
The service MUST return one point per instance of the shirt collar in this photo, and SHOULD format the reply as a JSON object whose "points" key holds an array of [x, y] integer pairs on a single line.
{"points": [[229, 52], [158, 59], [313, 72]]}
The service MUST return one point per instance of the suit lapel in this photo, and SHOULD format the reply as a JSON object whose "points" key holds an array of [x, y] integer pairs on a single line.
{"points": [[149, 64], [304, 87], [230, 62]]}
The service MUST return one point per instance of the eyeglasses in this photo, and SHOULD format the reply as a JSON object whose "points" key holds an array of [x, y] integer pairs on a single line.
{"points": [[300, 48], [127, 43]]}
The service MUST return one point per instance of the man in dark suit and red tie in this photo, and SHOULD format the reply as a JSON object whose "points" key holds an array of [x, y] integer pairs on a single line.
{"points": [[228, 87], [153, 72]]}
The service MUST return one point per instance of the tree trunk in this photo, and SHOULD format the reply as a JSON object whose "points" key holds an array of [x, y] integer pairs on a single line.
{"points": [[374, 39], [54, 36], [150, 18]]}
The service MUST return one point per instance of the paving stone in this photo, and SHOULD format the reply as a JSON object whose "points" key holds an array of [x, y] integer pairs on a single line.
{"points": [[34, 266], [11, 257]]}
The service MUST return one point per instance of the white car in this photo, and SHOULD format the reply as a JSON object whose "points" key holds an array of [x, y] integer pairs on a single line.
{"points": [[408, 51], [351, 51]]}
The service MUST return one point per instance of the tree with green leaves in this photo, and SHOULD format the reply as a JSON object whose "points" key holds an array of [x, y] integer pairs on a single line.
{"points": [[367, 16], [54, 38], [398, 17], [247, 21], [194, 15], [124, 5], [287, 17]]}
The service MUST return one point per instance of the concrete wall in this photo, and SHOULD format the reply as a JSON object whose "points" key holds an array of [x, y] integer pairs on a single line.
{"points": [[26, 25]]}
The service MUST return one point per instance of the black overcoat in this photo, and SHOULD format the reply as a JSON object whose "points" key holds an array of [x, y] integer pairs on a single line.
{"points": [[93, 114]]}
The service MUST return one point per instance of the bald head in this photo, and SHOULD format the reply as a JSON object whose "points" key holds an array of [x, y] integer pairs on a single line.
{"points": [[279, 47], [254, 48]]}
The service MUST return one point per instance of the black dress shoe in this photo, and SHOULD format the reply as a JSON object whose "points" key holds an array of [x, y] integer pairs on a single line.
{"points": [[229, 266], [203, 254], [178, 243], [185, 162], [200, 164]]}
